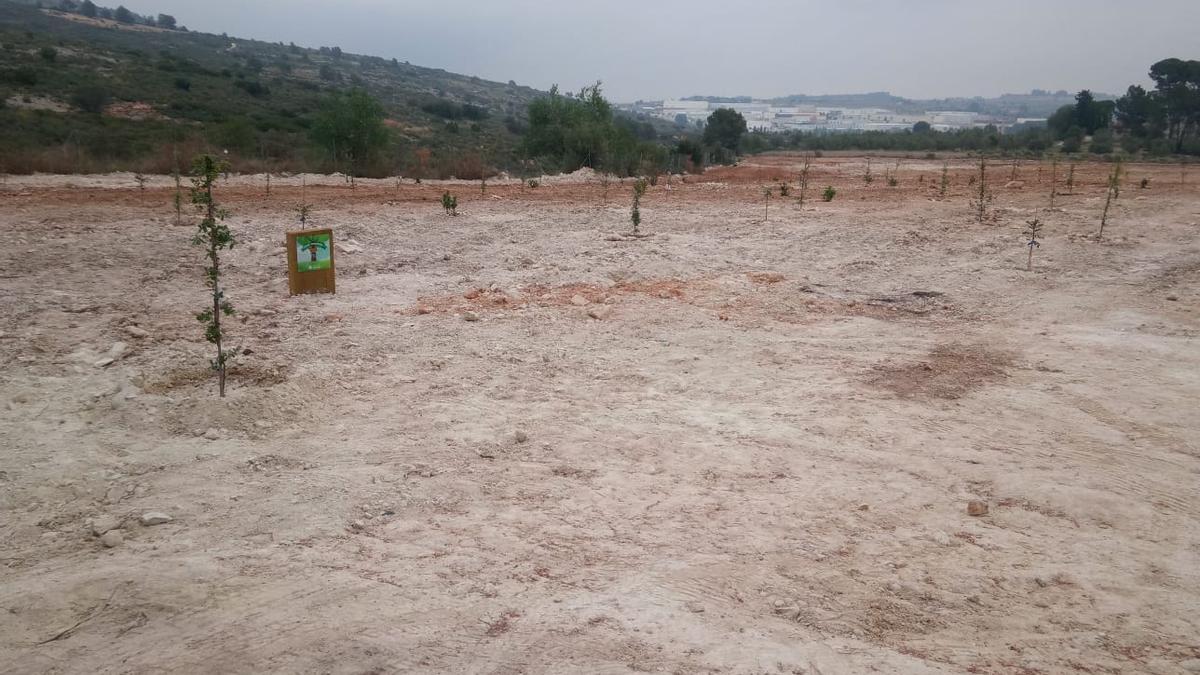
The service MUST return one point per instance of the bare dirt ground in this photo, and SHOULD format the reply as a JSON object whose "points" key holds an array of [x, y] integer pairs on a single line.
{"points": [[757, 460]]}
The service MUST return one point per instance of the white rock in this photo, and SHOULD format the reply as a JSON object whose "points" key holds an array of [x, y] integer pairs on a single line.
{"points": [[102, 524], [155, 518], [117, 350], [212, 434], [600, 312], [112, 539], [104, 362], [136, 331], [578, 300]]}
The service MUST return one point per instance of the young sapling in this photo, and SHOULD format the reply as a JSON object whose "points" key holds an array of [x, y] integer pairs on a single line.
{"points": [[828, 194], [140, 180], [804, 169], [1032, 229], [983, 196], [635, 214], [215, 236], [450, 203]]}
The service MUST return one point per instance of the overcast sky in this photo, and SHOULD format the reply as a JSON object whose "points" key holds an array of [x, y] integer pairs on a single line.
{"points": [[670, 48]]}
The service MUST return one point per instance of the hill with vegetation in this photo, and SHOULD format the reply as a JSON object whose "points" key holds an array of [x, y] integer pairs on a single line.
{"points": [[96, 89]]}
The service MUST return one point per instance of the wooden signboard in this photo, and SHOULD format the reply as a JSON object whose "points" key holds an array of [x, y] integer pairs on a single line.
{"points": [[310, 261]]}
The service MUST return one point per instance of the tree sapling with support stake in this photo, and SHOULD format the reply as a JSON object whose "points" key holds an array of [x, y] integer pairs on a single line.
{"points": [[215, 236]]}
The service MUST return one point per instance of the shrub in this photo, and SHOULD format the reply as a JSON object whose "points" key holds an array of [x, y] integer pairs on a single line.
{"points": [[450, 203], [828, 193], [90, 98]]}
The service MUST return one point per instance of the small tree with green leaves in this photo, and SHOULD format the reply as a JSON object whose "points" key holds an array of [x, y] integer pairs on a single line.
{"points": [[784, 189], [828, 193], [804, 169], [304, 212], [1032, 229], [1115, 180], [450, 203], [867, 177], [635, 213], [215, 236], [1071, 179], [983, 196], [945, 179]]}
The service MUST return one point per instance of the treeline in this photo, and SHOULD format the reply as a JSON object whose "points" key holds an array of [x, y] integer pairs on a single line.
{"points": [[1157, 123], [120, 14]]}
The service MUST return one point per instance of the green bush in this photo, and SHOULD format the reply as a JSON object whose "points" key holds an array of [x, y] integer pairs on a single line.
{"points": [[828, 193]]}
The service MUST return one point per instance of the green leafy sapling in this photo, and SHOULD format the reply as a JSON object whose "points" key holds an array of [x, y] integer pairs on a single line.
{"points": [[1032, 229], [867, 177], [1071, 180], [450, 203], [635, 213], [828, 193], [215, 236], [945, 179], [784, 189]]}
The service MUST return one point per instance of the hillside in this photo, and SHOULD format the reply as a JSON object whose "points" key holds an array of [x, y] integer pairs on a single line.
{"points": [[89, 94]]}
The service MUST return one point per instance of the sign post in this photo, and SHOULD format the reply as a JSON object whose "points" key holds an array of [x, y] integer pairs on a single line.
{"points": [[310, 261]]}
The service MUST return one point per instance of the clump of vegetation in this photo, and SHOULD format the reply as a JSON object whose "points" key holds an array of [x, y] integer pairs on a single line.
{"points": [[303, 212], [784, 189], [450, 203], [215, 236], [1071, 180], [635, 214], [1032, 229], [140, 180], [1144, 184], [983, 196], [867, 177], [766, 201], [892, 180], [533, 183], [829, 193], [1115, 180], [945, 179]]}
